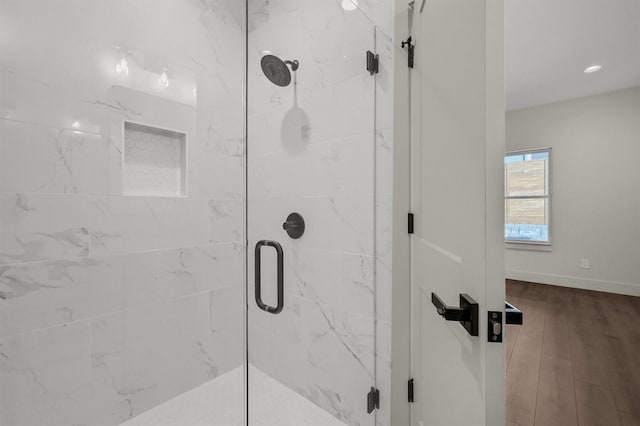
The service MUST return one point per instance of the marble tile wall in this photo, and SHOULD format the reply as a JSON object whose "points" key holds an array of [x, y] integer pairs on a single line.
{"points": [[323, 147], [112, 304]]}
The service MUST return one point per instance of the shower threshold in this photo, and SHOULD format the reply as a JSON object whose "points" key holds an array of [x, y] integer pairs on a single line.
{"points": [[220, 402]]}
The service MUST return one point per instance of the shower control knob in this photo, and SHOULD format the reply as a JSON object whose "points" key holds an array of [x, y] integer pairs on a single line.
{"points": [[294, 225]]}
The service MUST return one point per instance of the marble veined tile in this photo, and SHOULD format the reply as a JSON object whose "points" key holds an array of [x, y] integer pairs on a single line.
{"points": [[340, 353], [187, 344], [44, 294], [345, 282], [384, 161], [343, 109], [340, 223], [43, 159], [226, 221], [325, 356], [383, 372], [380, 12], [142, 223], [216, 151], [384, 81], [337, 167], [42, 227], [192, 270], [227, 327], [42, 374], [154, 353], [125, 349]]}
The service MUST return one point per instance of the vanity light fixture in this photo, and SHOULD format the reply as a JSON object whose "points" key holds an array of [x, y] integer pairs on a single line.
{"points": [[122, 67], [164, 79], [592, 68], [349, 4]]}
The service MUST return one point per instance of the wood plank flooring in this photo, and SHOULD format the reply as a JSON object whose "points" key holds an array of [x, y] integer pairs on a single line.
{"points": [[576, 359]]}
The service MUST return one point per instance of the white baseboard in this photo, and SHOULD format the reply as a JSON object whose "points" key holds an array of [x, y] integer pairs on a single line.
{"points": [[617, 287]]}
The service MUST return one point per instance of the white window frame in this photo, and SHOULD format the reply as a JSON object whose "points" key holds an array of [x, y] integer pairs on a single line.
{"points": [[548, 178]]}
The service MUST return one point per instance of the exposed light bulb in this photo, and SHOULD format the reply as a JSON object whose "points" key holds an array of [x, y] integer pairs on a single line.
{"points": [[75, 124], [164, 79], [592, 68], [349, 4], [122, 67]]}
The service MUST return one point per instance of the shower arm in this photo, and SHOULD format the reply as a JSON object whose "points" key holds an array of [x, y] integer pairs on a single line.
{"points": [[294, 64]]}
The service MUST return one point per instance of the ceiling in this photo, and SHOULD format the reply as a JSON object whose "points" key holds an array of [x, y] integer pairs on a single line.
{"points": [[549, 43]]}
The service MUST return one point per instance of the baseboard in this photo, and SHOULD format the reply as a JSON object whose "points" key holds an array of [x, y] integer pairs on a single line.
{"points": [[617, 287]]}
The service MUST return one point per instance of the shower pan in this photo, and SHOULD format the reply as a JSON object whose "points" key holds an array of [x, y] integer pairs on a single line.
{"points": [[156, 163]]}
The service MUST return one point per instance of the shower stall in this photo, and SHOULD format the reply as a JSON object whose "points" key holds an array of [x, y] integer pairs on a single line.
{"points": [[195, 212]]}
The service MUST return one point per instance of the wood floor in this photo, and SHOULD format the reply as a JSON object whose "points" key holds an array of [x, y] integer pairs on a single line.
{"points": [[576, 359]]}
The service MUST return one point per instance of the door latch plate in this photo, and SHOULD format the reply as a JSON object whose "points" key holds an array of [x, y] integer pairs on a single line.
{"points": [[494, 326]]}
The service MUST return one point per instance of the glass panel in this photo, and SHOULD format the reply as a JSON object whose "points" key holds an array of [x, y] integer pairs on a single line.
{"points": [[121, 212], [527, 219], [311, 151], [526, 174]]}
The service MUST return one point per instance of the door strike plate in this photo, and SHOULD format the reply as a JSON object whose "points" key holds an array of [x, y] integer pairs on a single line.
{"points": [[494, 326]]}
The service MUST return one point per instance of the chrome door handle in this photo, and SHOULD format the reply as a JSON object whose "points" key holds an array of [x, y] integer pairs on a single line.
{"points": [[258, 289]]}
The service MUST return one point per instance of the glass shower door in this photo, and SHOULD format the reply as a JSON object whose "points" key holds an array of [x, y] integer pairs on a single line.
{"points": [[121, 213], [310, 214]]}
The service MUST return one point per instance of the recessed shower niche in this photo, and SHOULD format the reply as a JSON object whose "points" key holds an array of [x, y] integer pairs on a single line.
{"points": [[154, 161]]}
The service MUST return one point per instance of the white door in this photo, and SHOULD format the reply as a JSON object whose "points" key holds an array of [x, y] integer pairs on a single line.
{"points": [[456, 185]]}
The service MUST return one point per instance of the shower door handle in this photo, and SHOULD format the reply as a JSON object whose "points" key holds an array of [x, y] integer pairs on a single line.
{"points": [[258, 290]]}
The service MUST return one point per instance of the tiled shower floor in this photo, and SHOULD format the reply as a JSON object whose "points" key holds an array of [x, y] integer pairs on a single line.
{"points": [[220, 403]]}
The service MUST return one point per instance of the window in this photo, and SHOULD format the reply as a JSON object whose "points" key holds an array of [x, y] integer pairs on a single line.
{"points": [[526, 196]]}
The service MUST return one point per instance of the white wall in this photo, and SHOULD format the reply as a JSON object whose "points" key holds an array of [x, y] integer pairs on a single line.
{"points": [[595, 191]]}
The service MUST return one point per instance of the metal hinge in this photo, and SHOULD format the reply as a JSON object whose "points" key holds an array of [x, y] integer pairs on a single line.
{"points": [[373, 400], [410, 390], [410, 50], [372, 62], [410, 223]]}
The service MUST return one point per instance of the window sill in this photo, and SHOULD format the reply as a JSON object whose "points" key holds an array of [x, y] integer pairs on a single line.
{"points": [[512, 245]]}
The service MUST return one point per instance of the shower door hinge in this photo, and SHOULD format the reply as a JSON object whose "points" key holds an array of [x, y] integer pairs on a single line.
{"points": [[410, 390], [410, 50], [410, 223], [372, 62], [373, 400]]}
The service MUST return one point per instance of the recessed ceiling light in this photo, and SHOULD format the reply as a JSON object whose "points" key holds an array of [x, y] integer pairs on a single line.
{"points": [[593, 68]]}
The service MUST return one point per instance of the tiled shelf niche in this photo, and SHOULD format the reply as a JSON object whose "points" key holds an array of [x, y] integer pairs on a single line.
{"points": [[154, 161]]}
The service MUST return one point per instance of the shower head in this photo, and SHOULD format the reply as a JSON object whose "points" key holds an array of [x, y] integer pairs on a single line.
{"points": [[276, 70]]}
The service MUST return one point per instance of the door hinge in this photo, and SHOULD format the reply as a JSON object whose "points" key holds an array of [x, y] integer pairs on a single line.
{"points": [[410, 223], [373, 400], [372, 62], [410, 390], [410, 50]]}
